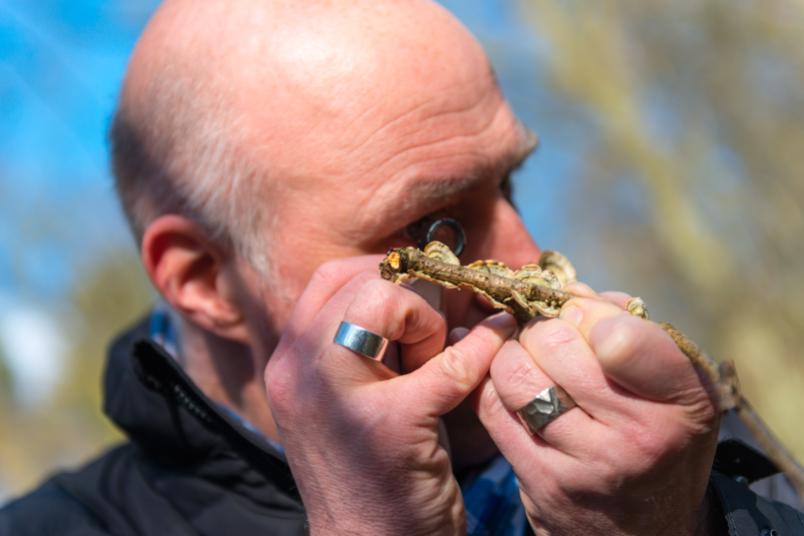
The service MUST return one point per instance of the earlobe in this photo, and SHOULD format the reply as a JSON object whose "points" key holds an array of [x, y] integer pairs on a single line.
{"points": [[190, 272]]}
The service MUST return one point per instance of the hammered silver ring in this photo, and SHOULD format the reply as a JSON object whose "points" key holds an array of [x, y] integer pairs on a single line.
{"points": [[547, 406]]}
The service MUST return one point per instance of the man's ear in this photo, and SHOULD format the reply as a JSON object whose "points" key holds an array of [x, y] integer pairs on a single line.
{"points": [[194, 275]]}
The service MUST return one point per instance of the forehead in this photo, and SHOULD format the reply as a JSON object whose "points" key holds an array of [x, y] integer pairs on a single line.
{"points": [[428, 132], [381, 116], [443, 144], [391, 167]]}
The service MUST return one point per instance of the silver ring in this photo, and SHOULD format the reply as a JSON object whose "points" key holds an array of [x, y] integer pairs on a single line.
{"points": [[546, 407], [361, 340]]}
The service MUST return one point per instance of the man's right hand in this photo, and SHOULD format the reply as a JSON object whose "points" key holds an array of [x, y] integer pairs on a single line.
{"points": [[363, 441]]}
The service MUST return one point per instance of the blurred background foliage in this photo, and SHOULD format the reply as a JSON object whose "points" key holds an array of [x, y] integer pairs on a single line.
{"points": [[693, 116], [672, 144]]}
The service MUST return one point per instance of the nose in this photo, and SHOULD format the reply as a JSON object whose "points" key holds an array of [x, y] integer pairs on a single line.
{"points": [[509, 240]]}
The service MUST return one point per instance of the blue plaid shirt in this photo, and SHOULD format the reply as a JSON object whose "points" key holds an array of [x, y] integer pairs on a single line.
{"points": [[491, 498]]}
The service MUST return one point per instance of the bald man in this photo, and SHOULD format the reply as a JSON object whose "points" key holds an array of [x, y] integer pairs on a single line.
{"points": [[265, 154]]}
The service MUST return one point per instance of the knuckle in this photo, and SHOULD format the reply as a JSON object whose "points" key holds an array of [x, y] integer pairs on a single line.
{"points": [[453, 364], [650, 450], [279, 388], [392, 309], [284, 381], [553, 335], [327, 273], [609, 476], [335, 273], [653, 446], [376, 306], [379, 291], [489, 404], [702, 412], [520, 377], [623, 339]]}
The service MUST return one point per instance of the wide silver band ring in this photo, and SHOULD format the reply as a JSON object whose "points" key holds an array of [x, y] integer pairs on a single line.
{"points": [[360, 340], [546, 407]]}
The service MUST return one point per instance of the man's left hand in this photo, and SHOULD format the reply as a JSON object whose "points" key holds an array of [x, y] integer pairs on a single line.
{"points": [[634, 456]]}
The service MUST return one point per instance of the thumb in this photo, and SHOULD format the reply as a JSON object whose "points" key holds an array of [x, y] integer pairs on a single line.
{"points": [[447, 379], [641, 357]]}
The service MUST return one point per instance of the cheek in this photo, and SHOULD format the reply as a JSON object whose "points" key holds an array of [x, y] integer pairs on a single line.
{"points": [[295, 254], [263, 320]]}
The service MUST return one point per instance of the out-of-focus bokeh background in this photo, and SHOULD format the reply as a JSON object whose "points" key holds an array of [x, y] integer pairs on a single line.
{"points": [[670, 166]]}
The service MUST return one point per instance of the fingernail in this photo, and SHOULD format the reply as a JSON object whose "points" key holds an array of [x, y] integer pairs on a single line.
{"points": [[572, 314], [579, 289], [502, 322], [456, 334]]}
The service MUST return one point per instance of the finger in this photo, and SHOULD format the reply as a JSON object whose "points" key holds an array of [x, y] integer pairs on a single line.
{"points": [[559, 349], [444, 381], [576, 288], [456, 334], [319, 303], [620, 299], [326, 281], [642, 358], [518, 379], [635, 353], [400, 315], [382, 308], [585, 313], [293, 373], [581, 290], [528, 454]]}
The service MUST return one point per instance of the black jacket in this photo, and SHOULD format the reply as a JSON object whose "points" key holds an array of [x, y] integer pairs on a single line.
{"points": [[190, 469]]}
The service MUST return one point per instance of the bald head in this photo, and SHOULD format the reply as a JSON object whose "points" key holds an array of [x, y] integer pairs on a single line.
{"points": [[228, 102]]}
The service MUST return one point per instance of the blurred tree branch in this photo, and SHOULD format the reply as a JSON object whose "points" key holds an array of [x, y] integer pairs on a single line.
{"points": [[698, 108]]}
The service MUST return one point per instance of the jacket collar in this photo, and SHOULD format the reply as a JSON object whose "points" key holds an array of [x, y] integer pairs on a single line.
{"points": [[150, 397]]}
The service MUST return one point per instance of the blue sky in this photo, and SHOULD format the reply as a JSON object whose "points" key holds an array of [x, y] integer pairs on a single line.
{"points": [[60, 68]]}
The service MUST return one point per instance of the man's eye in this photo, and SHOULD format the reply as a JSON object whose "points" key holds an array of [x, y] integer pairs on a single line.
{"points": [[446, 230], [417, 231]]}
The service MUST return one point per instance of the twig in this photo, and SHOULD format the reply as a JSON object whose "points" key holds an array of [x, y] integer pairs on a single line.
{"points": [[401, 263], [506, 292]]}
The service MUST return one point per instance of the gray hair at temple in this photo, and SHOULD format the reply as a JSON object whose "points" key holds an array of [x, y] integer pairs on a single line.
{"points": [[175, 151]]}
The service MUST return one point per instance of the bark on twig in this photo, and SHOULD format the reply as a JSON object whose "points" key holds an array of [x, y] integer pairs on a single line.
{"points": [[514, 295]]}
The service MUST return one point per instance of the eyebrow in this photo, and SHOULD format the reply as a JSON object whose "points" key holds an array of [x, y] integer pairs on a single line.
{"points": [[429, 192]]}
